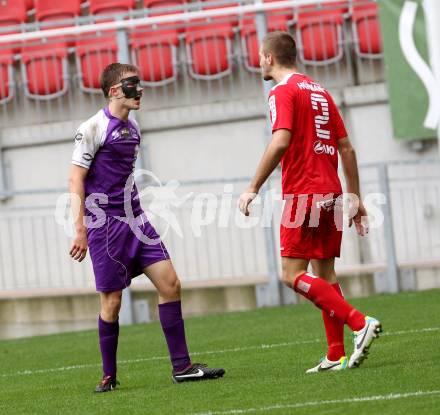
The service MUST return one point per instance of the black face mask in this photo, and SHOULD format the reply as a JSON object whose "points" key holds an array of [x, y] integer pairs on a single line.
{"points": [[131, 87]]}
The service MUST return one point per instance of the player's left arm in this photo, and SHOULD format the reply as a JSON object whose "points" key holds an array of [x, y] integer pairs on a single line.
{"points": [[270, 160], [357, 212]]}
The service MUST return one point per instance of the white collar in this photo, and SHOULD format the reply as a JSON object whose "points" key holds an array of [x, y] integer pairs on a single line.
{"points": [[285, 79]]}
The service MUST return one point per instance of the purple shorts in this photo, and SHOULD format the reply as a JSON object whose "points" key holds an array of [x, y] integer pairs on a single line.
{"points": [[119, 254]]}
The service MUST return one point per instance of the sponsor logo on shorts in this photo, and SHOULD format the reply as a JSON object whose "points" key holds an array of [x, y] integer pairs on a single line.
{"points": [[327, 205], [320, 148]]}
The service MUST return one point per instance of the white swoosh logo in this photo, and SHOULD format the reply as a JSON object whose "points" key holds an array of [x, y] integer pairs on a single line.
{"points": [[419, 66], [199, 374]]}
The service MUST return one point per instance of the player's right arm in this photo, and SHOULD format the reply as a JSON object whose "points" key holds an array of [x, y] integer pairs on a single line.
{"points": [[87, 143], [351, 173], [281, 117], [77, 177], [270, 160]]}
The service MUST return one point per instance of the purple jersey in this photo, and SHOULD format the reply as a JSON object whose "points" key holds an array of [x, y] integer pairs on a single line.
{"points": [[108, 147]]}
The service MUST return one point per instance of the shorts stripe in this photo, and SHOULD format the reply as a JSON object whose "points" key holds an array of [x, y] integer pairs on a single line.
{"points": [[113, 259]]}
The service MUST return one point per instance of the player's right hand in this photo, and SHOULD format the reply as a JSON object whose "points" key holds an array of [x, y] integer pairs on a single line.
{"points": [[79, 246]]}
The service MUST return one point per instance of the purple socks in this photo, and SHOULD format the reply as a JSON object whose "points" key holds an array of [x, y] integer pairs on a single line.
{"points": [[170, 315], [108, 341]]}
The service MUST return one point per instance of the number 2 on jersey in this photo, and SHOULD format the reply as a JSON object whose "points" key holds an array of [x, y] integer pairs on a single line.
{"points": [[319, 100]]}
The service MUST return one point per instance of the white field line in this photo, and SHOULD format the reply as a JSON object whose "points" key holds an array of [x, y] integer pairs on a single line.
{"points": [[203, 353], [265, 409]]}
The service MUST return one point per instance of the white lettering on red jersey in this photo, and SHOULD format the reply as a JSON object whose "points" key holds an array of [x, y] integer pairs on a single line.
{"points": [[306, 109]]}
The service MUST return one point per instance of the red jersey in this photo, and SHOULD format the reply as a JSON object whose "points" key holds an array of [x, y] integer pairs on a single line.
{"points": [[306, 109]]}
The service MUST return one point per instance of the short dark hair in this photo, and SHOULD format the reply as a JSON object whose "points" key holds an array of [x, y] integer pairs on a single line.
{"points": [[113, 73], [282, 46]]}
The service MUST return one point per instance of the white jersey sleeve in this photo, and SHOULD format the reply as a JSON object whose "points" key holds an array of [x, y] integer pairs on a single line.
{"points": [[88, 139]]}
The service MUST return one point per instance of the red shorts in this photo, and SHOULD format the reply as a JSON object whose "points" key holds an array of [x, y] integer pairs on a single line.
{"points": [[311, 227]]}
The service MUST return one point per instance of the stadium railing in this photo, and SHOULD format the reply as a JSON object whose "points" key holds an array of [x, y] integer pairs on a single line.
{"points": [[34, 248]]}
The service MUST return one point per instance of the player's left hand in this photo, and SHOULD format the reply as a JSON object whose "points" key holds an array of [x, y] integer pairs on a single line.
{"points": [[360, 220], [245, 200]]}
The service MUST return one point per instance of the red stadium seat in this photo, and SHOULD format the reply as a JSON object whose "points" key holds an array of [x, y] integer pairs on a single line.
{"points": [[29, 4], [366, 29], [163, 4], [155, 51], [276, 20], [46, 10], [6, 76], [210, 5], [44, 70], [281, 15], [156, 56], [111, 6], [209, 51], [319, 33], [92, 56], [156, 8], [50, 11], [12, 13], [209, 45]]}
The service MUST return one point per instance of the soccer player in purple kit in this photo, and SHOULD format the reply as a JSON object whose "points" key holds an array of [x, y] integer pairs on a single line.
{"points": [[106, 147]]}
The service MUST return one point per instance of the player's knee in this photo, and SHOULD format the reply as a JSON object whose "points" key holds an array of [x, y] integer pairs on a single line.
{"points": [[115, 305], [175, 288], [112, 305], [330, 277], [288, 277], [172, 289]]}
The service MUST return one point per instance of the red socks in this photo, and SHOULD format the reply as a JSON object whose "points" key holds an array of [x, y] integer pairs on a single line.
{"points": [[334, 331], [325, 297]]}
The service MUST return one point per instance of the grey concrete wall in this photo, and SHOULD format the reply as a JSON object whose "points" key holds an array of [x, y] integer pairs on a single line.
{"points": [[24, 317]]}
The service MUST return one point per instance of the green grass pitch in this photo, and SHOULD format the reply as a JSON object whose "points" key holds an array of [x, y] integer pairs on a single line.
{"points": [[265, 353]]}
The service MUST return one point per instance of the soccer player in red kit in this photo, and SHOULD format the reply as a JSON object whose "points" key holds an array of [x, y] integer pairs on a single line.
{"points": [[307, 135]]}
